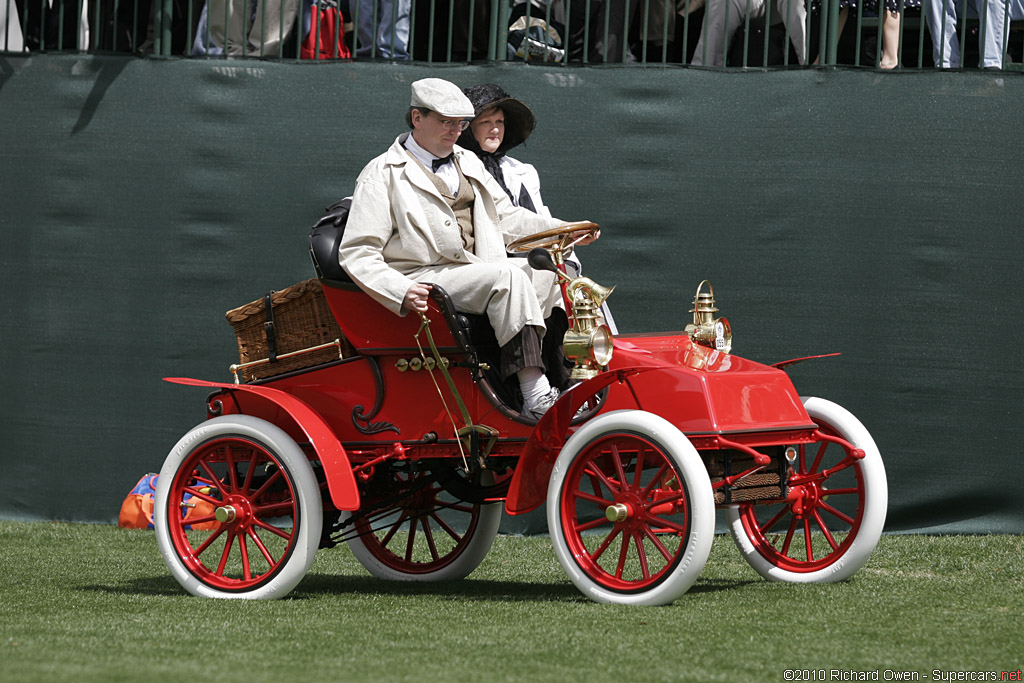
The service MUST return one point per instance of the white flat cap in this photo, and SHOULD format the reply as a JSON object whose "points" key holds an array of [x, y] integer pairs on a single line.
{"points": [[437, 94]]}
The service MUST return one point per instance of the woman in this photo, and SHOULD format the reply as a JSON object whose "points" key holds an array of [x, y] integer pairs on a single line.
{"points": [[501, 123]]}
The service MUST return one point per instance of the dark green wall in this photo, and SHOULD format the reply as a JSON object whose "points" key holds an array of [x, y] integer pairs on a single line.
{"points": [[870, 213]]}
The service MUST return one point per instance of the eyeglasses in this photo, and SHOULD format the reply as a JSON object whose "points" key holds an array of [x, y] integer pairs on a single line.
{"points": [[452, 124]]}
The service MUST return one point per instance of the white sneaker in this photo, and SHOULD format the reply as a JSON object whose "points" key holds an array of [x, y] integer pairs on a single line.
{"points": [[541, 405]]}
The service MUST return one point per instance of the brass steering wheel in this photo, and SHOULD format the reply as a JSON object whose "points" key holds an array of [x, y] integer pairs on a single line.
{"points": [[560, 239]]}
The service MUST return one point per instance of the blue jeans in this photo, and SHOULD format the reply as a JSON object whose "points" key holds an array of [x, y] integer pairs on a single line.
{"points": [[376, 33], [943, 17]]}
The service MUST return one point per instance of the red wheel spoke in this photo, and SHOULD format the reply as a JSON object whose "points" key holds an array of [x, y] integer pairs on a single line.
{"points": [[266, 485], [612, 486], [250, 470], [657, 543], [425, 524], [261, 546], [394, 528], [840, 492], [667, 499], [623, 556], [593, 499], [766, 527], [789, 535], [193, 521], [226, 554], [244, 549], [639, 467], [655, 481], [286, 507], [661, 521], [824, 530], [213, 478], [447, 529], [202, 496], [821, 453], [458, 508], [617, 459], [587, 526], [410, 542], [807, 539], [272, 529], [229, 456], [607, 542], [642, 554], [206, 544], [838, 513]]}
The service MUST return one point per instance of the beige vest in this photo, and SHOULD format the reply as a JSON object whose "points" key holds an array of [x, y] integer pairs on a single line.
{"points": [[461, 204]]}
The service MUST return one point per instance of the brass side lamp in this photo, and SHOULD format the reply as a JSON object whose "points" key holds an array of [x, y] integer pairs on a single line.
{"points": [[706, 329]]}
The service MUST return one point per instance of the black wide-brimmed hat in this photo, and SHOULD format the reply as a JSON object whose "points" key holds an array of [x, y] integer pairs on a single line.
{"points": [[519, 120]]}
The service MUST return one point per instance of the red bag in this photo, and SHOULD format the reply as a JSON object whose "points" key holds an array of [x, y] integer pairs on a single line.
{"points": [[326, 29]]}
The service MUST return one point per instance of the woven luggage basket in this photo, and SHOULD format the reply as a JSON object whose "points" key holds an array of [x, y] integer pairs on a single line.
{"points": [[301, 319]]}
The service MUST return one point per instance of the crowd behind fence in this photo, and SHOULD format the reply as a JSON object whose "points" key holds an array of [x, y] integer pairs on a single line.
{"points": [[733, 33]]}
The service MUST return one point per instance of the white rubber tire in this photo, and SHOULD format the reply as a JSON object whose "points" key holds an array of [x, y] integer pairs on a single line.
{"points": [[693, 472], [307, 494], [876, 500]]}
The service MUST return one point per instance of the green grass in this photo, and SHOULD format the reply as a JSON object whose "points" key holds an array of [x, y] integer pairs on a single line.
{"points": [[96, 603]]}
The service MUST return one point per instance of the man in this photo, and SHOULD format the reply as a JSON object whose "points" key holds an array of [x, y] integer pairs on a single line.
{"points": [[427, 211], [723, 18], [945, 17]]}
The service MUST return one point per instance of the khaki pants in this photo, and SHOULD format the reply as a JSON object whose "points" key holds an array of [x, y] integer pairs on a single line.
{"points": [[252, 27]]}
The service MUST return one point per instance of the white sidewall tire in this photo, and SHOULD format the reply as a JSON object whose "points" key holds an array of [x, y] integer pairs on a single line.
{"points": [[462, 566], [876, 501], [307, 493], [701, 501]]}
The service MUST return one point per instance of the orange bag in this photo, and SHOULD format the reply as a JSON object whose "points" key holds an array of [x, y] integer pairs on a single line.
{"points": [[137, 508]]}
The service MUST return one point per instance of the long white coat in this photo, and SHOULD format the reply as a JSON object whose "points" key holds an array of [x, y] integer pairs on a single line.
{"points": [[401, 231]]}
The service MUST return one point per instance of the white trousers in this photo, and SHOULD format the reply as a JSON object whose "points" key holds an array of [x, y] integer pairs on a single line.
{"points": [[511, 293], [724, 17]]}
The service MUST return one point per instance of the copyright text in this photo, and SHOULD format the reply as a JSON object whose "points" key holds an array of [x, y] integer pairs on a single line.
{"points": [[816, 675]]}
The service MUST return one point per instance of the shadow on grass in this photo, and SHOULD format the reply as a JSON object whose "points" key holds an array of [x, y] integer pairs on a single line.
{"points": [[484, 590]]}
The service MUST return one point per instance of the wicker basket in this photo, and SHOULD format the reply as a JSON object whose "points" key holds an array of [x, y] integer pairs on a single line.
{"points": [[301, 319]]}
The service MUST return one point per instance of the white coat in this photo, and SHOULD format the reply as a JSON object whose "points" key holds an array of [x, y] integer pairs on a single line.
{"points": [[401, 231]]}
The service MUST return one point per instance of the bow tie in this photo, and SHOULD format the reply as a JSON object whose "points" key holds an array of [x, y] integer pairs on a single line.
{"points": [[438, 163]]}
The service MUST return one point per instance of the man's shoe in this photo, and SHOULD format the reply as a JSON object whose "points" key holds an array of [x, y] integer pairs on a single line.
{"points": [[535, 410]]}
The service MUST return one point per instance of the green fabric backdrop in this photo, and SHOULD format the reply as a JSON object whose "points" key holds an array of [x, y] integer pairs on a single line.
{"points": [[870, 213]]}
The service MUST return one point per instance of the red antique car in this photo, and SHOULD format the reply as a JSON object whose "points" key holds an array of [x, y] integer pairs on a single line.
{"points": [[393, 435]]}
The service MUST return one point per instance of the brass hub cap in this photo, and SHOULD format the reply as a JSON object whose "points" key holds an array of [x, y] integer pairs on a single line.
{"points": [[618, 512]]}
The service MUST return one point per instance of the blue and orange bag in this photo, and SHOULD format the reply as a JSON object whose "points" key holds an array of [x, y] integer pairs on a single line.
{"points": [[137, 508]]}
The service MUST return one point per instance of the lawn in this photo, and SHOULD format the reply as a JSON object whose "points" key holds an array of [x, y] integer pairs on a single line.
{"points": [[96, 603]]}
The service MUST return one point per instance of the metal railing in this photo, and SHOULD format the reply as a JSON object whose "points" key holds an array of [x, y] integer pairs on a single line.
{"points": [[730, 33]]}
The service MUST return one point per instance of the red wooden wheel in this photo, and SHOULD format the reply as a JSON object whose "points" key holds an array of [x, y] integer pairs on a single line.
{"points": [[630, 509], [239, 510], [831, 520]]}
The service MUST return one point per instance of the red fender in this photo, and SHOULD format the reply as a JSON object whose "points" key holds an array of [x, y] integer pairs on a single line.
{"points": [[529, 485], [341, 483]]}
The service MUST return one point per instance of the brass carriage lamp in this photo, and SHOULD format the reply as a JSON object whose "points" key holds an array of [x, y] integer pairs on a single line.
{"points": [[589, 343], [706, 329]]}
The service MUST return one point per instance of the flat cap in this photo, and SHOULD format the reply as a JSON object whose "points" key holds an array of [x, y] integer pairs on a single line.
{"points": [[439, 95]]}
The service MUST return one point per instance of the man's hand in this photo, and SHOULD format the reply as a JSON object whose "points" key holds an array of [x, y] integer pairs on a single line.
{"points": [[416, 298], [590, 239]]}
